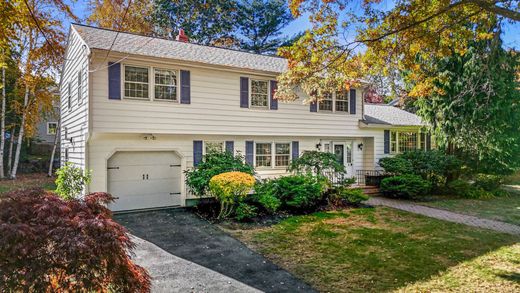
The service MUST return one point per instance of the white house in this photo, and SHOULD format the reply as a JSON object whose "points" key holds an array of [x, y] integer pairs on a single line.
{"points": [[138, 111]]}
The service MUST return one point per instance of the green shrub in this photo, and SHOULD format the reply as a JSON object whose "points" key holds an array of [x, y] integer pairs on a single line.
{"points": [[295, 192], [71, 181], [345, 195], [435, 166], [488, 182], [213, 164], [463, 188], [405, 186], [245, 211], [268, 201], [230, 189], [459, 187]]}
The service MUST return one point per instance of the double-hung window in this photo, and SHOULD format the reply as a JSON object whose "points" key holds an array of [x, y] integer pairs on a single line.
{"points": [[282, 154], [342, 101], [326, 104], [69, 96], [165, 84], [335, 102], [404, 141], [259, 93], [80, 81], [263, 155], [52, 127], [136, 82]]}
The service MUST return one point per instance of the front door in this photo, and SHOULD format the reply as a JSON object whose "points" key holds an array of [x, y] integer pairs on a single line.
{"points": [[343, 152]]}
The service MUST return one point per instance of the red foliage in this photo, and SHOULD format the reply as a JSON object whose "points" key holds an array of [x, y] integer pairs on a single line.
{"points": [[372, 97], [51, 245]]}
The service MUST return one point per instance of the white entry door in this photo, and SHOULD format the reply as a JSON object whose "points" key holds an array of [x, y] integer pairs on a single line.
{"points": [[343, 152], [142, 180]]}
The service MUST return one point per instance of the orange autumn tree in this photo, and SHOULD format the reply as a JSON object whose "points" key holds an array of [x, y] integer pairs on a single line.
{"points": [[123, 15], [349, 40], [38, 43]]}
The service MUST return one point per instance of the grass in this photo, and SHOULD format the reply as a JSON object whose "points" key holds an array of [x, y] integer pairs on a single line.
{"points": [[505, 209], [383, 249], [25, 181]]}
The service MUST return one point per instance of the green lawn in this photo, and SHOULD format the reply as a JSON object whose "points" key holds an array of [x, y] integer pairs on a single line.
{"points": [[506, 209], [383, 249], [25, 181]]}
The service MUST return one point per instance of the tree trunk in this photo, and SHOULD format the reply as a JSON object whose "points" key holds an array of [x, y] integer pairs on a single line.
{"points": [[10, 155], [2, 126], [20, 134], [56, 136]]}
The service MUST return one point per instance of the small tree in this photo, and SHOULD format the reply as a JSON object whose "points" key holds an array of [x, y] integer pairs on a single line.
{"points": [[317, 163], [52, 245], [71, 181]]}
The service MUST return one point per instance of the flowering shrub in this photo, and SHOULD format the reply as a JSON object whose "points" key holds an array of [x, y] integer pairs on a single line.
{"points": [[230, 188], [48, 244]]}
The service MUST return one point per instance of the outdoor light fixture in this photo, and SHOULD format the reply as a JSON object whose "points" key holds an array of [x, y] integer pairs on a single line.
{"points": [[360, 146], [318, 146], [149, 137]]}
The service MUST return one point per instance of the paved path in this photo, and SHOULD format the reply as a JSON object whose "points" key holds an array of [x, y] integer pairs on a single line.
{"points": [[185, 235], [446, 215], [173, 274]]}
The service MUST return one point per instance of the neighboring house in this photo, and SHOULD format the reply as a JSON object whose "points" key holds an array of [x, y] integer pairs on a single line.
{"points": [[138, 111], [46, 132]]}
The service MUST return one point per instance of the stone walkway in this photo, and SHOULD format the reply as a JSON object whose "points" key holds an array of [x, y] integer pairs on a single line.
{"points": [[445, 215]]}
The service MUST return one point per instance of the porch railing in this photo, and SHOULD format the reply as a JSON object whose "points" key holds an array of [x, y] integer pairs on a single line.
{"points": [[370, 177]]}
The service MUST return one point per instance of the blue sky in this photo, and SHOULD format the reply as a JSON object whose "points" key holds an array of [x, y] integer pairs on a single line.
{"points": [[511, 32]]}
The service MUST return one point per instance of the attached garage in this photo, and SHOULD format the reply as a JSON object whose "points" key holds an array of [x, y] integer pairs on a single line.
{"points": [[144, 179]]}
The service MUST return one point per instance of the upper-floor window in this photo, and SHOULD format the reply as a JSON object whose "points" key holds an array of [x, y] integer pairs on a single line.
{"points": [[404, 141], [80, 80], [335, 102], [264, 156], [52, 127], [165, 84], [136, 82], [259, 93]]}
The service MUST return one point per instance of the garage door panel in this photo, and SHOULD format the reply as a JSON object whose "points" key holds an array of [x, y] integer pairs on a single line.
{"points": [[160, 188]]}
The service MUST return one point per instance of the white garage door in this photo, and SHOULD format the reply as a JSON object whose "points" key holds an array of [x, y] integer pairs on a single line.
{"points": [[144, 180]]}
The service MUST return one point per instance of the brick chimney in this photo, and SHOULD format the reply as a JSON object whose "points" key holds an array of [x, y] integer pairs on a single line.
{"points": [[181, 36]]}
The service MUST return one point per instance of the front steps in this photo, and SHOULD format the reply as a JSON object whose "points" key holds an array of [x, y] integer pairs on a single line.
{"points": [[369, 190]]}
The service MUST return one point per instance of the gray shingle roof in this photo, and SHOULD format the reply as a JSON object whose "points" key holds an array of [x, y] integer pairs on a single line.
{"points": [[97, 38], [389, 115]]}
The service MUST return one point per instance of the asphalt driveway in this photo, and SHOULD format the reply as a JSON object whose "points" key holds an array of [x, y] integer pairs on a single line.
{"points": [[187, 236]]}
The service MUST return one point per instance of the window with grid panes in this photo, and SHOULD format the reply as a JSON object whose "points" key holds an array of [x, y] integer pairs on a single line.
{"points": [[282, 154], [136, 82], [259, 93], [263, 155], [326, 103], [342, 101], [165, 84]]}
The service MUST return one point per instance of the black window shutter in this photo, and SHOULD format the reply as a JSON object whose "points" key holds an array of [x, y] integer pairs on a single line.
{"points": [[249, 152], [387, 142], [314, 107], [295, 150], [244, 92], [273, 101], [197, 152], [114, 81], [428, 142], [185, 87], [352, 101], [230, 146]]}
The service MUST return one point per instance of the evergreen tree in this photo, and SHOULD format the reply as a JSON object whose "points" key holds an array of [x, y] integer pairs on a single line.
{"points": [[475, 108]]}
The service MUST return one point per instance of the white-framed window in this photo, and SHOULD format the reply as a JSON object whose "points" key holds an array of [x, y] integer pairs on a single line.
{"points": [[272, 154], [80, 81], [136, 82], [52, 128], [165, 84], [263, 154], [406, 140], [326, 104], [213, 147], [337, 102], [259, 93], [282, 155]]}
